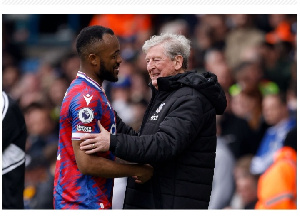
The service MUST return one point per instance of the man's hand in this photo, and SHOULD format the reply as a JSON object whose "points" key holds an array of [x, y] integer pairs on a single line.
{"points": [[93, 143], [145, 174]]}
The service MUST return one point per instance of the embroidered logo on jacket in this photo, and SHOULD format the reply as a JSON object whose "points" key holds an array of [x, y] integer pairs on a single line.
{"points": [[155, 116], [160, 107]]}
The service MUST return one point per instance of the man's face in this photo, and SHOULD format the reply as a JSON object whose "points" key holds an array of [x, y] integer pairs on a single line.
{"points": [[110, 59], [159, 64], [273, 109], [249, 78]]}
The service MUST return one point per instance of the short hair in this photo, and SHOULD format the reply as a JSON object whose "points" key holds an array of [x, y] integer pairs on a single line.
{"points": [[174, 45], [88, 36]]}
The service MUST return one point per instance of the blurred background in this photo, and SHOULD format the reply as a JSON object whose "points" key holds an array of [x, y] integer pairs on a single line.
{"points": [[253, 56]]}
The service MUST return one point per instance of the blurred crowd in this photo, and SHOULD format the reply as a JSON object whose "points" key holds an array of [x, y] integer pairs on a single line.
{"points": [[253, 56]]}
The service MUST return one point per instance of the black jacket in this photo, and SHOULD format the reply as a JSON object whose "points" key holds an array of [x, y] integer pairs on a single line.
{"points": [[178, 138], [14, 135]]}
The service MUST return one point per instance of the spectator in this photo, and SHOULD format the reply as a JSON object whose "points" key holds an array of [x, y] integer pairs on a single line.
{"points": [[246, 185], [212, 58], [223, 181], [237, 132], [41, 135], [40, 131], [276, 114], [247, 96], [28, 90], [203, 40], [10, 77], [242, 35], [277, 67], [281, 29], [277, 187], [46, 75], [43, 197], [215, 62], [217, 23]]}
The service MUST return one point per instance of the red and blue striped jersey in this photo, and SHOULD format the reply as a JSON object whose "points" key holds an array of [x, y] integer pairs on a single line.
{"points": [[83, 105]]}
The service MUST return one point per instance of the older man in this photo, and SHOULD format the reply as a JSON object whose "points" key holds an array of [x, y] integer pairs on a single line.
{"points": [[178, 132]]}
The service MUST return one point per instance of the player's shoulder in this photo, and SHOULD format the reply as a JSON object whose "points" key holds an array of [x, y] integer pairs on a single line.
{"points": [[83, 87]]}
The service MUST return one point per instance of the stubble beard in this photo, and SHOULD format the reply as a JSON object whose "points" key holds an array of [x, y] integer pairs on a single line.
{"points": [[105, 74]]}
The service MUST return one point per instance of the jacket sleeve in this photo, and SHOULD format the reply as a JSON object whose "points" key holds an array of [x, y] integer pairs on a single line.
{"points": [[13, 125], [175, 133]]}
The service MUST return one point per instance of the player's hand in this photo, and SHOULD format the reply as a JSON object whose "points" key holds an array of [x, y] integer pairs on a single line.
{"points": [[98, 142], [145, 174]]}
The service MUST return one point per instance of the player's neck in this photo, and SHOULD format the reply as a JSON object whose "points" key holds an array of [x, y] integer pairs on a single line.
{"points": [[91, 75]]}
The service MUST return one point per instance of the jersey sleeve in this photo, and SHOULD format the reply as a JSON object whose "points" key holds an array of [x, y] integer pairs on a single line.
{"points": [[85, 111]]}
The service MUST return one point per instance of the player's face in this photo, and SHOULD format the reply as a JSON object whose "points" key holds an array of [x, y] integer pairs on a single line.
{"points": [[110, 59]]}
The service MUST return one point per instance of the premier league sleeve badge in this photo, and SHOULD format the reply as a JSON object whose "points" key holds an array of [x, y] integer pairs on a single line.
{"points": [[86, 115]]}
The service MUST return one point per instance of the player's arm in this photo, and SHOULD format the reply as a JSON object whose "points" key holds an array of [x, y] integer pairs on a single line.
{"points": [[99, 166]]}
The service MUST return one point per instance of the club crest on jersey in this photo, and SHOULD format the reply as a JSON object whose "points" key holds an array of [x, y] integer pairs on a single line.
{"points": [[86, 115]]}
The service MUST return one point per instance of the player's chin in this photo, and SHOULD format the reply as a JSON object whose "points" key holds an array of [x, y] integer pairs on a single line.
{"points": [[116, 72], [114, 79], [115, 75]]}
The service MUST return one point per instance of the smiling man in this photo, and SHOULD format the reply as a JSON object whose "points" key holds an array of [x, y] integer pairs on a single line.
{"points": [[178, 132], [86, 181]]}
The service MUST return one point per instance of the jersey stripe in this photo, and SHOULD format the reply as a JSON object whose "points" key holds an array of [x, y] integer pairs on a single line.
{"points": [[82, 75]]}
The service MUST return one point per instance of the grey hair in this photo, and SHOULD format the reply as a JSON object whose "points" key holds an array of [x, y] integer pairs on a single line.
{"points": [[174, 45]]}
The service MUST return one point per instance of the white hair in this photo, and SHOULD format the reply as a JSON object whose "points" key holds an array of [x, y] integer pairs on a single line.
{"points": [[174, 45]]}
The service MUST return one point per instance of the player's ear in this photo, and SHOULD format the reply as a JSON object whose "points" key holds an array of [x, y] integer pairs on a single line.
{"points": [[93, 59]]}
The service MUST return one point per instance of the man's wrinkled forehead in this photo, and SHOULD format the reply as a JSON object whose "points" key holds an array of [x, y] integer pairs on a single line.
{"points": [[157, 51]]}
